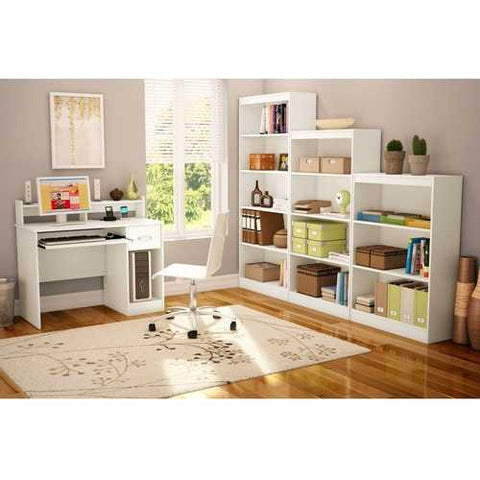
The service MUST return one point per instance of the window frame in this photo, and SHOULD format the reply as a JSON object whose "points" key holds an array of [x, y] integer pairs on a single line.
{"points": [[218, 171]]}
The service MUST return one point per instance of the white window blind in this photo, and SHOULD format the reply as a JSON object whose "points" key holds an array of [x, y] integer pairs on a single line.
{"points": [[192, 109], [185, 153]]}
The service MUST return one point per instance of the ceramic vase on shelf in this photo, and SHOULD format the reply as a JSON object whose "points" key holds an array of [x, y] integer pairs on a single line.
{"points": [[465, 285], [132, 190], [473, 320]]}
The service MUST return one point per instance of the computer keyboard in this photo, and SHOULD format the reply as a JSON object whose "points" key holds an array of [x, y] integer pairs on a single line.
{"points": [[68, 240]]}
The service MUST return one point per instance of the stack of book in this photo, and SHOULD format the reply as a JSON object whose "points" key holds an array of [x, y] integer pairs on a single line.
{"points": [[329, 293], [418, 256], [394, 218], [274, 119], [365, 303], [339, 257], [342, 288]]}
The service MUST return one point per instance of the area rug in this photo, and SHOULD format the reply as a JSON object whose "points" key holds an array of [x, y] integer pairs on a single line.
{"points": [[124, 360]]}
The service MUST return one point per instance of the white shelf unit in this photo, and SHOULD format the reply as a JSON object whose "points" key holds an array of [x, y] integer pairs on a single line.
{"points": [[439, 196]]}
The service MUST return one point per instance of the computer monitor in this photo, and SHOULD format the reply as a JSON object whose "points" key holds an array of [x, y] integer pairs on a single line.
{"points": [[62, 195]]}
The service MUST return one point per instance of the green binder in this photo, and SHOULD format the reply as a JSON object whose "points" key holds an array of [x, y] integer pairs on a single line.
{"points": [[421, 308]]}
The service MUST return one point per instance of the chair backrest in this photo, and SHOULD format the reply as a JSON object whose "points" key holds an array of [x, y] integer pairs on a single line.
{"points": [[217, 244]]}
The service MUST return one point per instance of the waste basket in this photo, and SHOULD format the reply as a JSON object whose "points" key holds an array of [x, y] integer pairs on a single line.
{"points": [[7, 301]]}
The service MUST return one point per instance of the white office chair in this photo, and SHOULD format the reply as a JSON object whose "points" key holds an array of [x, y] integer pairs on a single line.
{"points": [[195, 273]]}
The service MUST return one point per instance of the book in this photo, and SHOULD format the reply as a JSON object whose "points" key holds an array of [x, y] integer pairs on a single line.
{"points": [[339, 293]]}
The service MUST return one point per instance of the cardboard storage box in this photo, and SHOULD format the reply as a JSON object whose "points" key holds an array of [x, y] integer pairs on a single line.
{"points": [[299, 245], [381, 298], [325, 231], [420, 309], [299, 229], [381, 257], [262, 161], [312, 277], [334, 164], [262, 271], [322, 249], [311, 206], [309, 165]]}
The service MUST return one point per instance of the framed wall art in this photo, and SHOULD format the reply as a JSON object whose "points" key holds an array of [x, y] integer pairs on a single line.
{"points": [[77, 132]]}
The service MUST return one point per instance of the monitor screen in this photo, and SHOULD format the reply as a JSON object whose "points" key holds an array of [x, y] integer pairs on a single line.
{"points": [[63, 194]]}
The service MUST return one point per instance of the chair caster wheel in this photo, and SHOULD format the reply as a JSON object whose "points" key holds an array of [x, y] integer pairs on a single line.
{"points": [[151, 327], [192, 334], [217, 316], [233, 326], [171, 317]]}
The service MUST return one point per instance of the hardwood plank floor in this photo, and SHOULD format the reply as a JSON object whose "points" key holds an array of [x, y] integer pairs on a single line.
{"points": [[395, 367]]}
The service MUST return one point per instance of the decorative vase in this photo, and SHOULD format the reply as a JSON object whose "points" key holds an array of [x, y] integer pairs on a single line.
{"points": [[473, 320], [393, 162], [116, 194], [465, 286], [280, 239], [132, 190], [418, 164]]}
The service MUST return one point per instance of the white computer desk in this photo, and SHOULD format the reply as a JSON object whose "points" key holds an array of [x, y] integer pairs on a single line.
{"points": [[108, 259]]}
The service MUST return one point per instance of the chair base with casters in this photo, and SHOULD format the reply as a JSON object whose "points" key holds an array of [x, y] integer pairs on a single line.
{"points": [[195, 313]]}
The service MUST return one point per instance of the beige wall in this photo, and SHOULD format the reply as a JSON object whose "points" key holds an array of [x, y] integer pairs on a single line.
{"points": [[445, 112], [25, 154]]}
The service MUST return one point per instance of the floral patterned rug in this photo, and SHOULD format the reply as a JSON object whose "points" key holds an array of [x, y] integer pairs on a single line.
{"points": [[124, 360]]}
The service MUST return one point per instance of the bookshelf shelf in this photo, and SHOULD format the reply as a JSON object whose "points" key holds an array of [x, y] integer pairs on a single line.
{"points": [[397, 272], [390, 225], [438, 196], [270, 248]]}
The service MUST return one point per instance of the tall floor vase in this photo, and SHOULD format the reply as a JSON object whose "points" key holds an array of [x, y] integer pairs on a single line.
{"points": [[473, 320], [465, 286]]}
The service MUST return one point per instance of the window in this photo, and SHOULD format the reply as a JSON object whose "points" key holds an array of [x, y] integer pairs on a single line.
{"points": [[185, 153]]}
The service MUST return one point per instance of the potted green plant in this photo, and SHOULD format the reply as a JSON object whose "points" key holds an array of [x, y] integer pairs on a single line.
{"points": [[419, 159], [393, 157]]}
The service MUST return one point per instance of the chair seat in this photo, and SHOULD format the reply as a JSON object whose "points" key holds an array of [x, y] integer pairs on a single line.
{"points": [[183, 270]]}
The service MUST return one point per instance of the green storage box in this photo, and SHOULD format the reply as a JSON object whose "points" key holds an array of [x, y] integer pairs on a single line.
{"points": [[323, 231], [299, 229], [394, 295], [392, 219], [299, 245], [322, 249], [420, 308]]}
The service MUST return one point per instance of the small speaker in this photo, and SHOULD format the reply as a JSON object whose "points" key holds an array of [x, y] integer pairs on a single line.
{"points": [[96, 189], [28, 192], [140, 276]]}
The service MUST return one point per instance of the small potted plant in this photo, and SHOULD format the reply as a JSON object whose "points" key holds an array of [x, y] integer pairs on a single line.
{"points": [[419, 159], [393, 157]]}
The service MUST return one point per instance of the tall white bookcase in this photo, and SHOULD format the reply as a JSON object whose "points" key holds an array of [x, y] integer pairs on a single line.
{"points": [[436, 195]]}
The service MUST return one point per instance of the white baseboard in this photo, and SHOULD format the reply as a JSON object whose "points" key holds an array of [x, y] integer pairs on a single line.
{"points": [[65, 301], [179, 287]]}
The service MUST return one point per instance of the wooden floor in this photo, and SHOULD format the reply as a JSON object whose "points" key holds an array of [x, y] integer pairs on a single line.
{"points": [[395, 367]]}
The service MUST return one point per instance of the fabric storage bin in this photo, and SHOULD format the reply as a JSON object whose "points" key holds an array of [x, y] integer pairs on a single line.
{"points": [[322, 249], [326, 231], [311, 278], [309, 165], [381, 257], [335, 164], [262, 271], [299, 245], [299, 229]]}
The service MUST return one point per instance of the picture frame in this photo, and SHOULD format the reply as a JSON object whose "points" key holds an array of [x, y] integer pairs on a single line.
{"points": [[77, 130], [283, 162]]}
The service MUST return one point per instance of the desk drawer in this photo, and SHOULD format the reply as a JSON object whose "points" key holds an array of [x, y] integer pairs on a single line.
{"points": [[143, 238]]}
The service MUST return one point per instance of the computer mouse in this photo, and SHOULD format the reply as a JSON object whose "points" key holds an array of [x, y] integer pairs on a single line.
{"points": [[110, 236]]}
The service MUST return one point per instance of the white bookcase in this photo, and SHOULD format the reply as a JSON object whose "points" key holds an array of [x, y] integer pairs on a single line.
{"points": [[436, 195]]}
